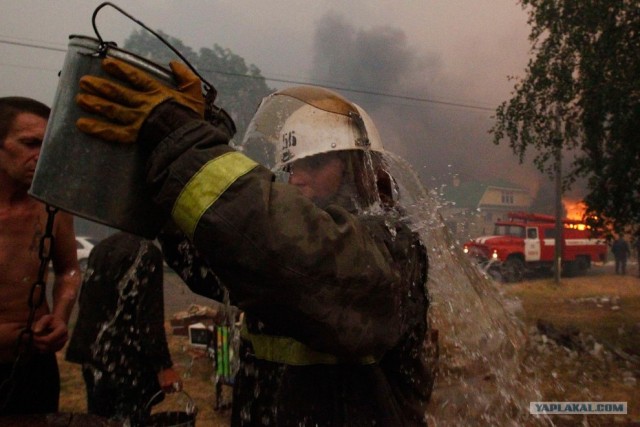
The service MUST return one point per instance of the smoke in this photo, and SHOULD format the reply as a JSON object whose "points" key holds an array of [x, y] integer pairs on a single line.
{"points": [[439, 140], [378, 59]]}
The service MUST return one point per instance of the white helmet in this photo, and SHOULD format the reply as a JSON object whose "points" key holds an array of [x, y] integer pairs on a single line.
{"points": [[306, 120]]}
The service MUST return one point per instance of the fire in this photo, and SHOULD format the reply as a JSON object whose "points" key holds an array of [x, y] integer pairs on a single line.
{"points": [[575, 209]]}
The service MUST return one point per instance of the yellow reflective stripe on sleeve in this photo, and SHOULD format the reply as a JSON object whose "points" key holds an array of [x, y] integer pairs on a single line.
{"points": [[206, 186], [287, 350]]}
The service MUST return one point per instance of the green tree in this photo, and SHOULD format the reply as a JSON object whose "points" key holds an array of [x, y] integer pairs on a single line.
{"points": [[584, 73], [240, 87]]}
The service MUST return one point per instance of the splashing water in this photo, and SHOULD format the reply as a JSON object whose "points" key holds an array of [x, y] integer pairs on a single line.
{"points": [[118, 336], [127, 290], [481, 377]]}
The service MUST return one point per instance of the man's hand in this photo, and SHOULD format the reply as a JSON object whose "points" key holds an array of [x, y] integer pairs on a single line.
{"points": [[50, 334], [126, 107]]}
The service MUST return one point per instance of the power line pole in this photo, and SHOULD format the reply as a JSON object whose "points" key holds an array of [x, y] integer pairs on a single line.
{"points": [[559, 239]]}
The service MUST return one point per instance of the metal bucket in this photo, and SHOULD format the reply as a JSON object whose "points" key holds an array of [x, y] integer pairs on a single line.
{"points": [[103, 182], [182, 418]]}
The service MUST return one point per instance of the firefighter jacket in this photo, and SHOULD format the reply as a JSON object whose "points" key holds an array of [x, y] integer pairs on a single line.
{"points": [[335, 303]]}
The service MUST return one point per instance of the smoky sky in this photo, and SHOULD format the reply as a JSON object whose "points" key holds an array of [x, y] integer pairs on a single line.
{"points": [[439, 140]]}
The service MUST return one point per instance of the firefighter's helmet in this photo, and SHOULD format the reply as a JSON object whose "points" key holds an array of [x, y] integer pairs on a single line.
{"points": [[306, 120]]}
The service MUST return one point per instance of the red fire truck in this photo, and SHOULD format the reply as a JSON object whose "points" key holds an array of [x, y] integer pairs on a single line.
{"points": [[526, 242]]}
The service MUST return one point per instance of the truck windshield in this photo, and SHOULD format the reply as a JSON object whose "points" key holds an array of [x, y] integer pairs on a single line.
{"points": [[509, 230]]}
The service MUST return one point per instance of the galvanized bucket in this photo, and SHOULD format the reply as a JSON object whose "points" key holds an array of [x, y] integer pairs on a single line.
{"points": [[181, 418], [100, 181]]}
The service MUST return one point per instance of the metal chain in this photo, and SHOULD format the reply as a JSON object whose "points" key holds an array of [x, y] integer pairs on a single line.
{"points": [[37, 296]]}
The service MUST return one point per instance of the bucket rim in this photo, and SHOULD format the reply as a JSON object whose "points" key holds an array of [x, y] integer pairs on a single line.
{"points": [[191, 402], [120, 53]]}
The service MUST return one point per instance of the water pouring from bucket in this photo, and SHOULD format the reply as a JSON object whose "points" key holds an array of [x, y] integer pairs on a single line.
{"points": [[482, 374]]}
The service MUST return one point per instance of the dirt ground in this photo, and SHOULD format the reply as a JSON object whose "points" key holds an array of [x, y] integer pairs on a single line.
{"points": [[583, 340], [583, 367]]}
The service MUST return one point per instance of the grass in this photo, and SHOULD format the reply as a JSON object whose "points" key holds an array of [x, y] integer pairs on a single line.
{"points": [[603, 313], [605, 306]]}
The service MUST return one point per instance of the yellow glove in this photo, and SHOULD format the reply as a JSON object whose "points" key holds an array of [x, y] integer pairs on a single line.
{"points": [[127, 107]]}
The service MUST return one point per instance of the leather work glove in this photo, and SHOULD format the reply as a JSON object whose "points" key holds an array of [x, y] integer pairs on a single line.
{"points": [[126, 107]]}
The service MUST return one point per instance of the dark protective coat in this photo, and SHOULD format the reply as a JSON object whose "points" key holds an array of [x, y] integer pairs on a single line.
{"points": [[349, 289], [119, 335]]}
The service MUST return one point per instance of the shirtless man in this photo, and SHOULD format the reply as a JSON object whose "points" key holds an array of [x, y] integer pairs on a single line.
{"points": [[34, 386]]}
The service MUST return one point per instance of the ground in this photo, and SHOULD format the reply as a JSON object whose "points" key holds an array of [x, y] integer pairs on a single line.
{"points": [[582, 340]]}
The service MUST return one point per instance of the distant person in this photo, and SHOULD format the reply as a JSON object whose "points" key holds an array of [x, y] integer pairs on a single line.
{"points": [[29, 376], [119, 337], [621, 252]]}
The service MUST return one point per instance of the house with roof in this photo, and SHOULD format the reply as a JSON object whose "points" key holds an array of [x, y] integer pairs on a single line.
{"points": [[470, 208]]}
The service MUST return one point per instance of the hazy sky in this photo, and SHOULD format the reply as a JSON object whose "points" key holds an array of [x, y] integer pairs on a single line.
{"points": [[441, 52]]}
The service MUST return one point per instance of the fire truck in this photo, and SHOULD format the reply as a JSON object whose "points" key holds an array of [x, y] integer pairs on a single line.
{"points": [[525, 242]]}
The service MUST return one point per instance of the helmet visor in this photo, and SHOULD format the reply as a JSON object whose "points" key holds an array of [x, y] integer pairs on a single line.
{"points": [[303, 121]]}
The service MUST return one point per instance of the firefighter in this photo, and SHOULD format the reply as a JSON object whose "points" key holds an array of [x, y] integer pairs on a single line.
{"points": [[330, 277]]}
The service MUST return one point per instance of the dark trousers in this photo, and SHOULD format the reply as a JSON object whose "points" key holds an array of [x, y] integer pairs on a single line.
{"points": [[621, 266], [34, 388]]}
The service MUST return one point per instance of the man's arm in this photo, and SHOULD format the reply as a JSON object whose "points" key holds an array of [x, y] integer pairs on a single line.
{"points": [[51, 331], [66, 268]]}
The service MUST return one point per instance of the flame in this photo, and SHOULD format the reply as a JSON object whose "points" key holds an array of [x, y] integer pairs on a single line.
{"points": [[575, 209]]}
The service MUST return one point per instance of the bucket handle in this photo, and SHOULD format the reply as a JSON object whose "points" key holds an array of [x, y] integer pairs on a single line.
{"points": [[210, 91], [191, 408]]}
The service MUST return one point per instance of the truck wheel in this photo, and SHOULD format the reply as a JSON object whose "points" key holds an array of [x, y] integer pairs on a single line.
{"points": [[582, 264], [577, 267], [569, 269], [513, 270]]}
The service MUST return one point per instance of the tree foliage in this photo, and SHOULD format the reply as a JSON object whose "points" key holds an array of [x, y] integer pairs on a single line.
{"points": [[585, 75], [240, 87]]}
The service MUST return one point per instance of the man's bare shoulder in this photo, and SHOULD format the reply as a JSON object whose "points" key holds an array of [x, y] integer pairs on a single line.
{"points": [[17, 216]]}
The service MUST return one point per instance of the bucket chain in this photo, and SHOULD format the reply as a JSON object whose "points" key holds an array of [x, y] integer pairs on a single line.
{"points": [[38, 289], [37, 297]]}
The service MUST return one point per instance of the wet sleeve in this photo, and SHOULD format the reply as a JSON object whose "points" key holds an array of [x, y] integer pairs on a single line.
{"points": [[184, 258]]}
